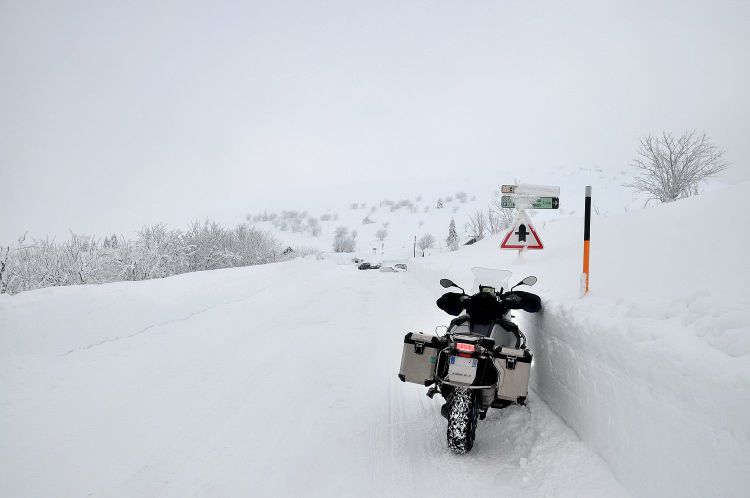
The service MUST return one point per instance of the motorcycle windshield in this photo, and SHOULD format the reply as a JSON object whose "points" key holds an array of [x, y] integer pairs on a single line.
{"points": [[489, 277]]}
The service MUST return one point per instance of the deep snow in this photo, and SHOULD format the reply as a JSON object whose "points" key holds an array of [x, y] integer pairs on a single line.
{"points": [[283, 386], [281, 380]]}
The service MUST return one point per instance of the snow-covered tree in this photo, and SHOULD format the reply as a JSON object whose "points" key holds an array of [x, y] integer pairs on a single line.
{"points": [[314, 226], [342, 242], [671, 168], [452, 240], [381, 234], [462, 196], [426, 241], [477, 224]]}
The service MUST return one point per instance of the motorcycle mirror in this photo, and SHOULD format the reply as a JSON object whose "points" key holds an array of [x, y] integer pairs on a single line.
{"points": [[529, 281], [447, 283], [526, 281]]}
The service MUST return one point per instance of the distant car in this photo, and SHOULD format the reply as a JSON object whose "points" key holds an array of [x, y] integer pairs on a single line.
{"points": [[400, 266], [388, 269], [369, 266]]}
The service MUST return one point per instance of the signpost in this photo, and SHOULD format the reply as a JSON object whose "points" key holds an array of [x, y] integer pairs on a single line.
{"points": [[522, 234], [540, 202]]}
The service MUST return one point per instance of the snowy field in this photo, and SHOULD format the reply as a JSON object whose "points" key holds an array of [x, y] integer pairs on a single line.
{"points": [[280, 380]]}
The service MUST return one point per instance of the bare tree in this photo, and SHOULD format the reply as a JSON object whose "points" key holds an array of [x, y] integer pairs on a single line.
{"points": [[381, 234], [425, 242], [477, 224], [672, 168], [500, 217], [314, 225], [462, 196]]}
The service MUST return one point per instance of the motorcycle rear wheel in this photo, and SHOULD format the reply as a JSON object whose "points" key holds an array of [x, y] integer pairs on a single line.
{"points": [[462, 421]]}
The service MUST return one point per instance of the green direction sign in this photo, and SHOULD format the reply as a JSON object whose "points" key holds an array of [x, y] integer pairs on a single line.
{"points": [[539, 203]]}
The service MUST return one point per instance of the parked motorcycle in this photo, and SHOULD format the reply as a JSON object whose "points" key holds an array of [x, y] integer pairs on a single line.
{"points": [[482, 361]]}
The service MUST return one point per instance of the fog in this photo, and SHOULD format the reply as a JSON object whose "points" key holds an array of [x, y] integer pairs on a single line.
{"points": [[116, 115]]}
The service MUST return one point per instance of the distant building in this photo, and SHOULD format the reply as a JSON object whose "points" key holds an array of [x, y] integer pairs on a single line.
{"points": [[357, 261]]}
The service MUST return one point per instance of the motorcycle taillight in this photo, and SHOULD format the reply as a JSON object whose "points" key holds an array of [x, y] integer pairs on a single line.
{"points": [[460, 346]]}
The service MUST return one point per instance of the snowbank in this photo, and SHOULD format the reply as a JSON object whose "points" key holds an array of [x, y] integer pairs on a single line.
{"points": [[58, 320]]}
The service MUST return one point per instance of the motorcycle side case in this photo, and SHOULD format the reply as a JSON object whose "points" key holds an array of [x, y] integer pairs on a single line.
{"points": [[513, 368], [419, 357]]}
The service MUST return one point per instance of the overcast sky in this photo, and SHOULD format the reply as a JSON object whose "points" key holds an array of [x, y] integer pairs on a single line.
{"points": [[119, 114]]}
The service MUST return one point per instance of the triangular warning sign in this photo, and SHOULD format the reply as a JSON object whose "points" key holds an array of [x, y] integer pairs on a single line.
{"points": [[522, 234]]}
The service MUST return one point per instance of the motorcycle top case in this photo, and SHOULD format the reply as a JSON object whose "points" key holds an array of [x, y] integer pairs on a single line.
{"points": [[419, 357], [513, 369]]}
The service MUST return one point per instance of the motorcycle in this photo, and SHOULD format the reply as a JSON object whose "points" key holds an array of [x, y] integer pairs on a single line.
{"points": [[482, 361]]}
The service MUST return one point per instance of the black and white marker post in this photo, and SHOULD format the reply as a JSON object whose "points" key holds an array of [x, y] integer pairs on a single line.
{"points": [[586, 240]]}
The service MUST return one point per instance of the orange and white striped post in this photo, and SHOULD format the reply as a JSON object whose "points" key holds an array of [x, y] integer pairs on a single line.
{"points": [[587, 235]]}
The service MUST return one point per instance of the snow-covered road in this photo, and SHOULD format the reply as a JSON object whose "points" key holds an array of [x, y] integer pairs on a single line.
{"points": [[285, 386]]}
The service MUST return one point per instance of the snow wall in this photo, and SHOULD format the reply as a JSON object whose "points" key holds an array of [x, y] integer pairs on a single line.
{"points": [[669, 422]]}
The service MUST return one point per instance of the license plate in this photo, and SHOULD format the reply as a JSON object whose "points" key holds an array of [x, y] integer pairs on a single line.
{"points": [[462, 370]]}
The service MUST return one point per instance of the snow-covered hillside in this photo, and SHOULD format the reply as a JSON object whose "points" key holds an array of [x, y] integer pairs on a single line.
{"points": [[281, 379], [404, 225]]}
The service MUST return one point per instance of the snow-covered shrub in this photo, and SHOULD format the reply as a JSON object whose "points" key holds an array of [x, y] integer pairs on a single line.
{"points": [[156, 253], [426, 241], [342, 242], [462, 196], [381, 234], [672, 168], [314, 226]]}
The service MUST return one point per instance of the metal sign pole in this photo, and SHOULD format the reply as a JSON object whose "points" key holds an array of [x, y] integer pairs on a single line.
{"points": [[587, 235]]}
